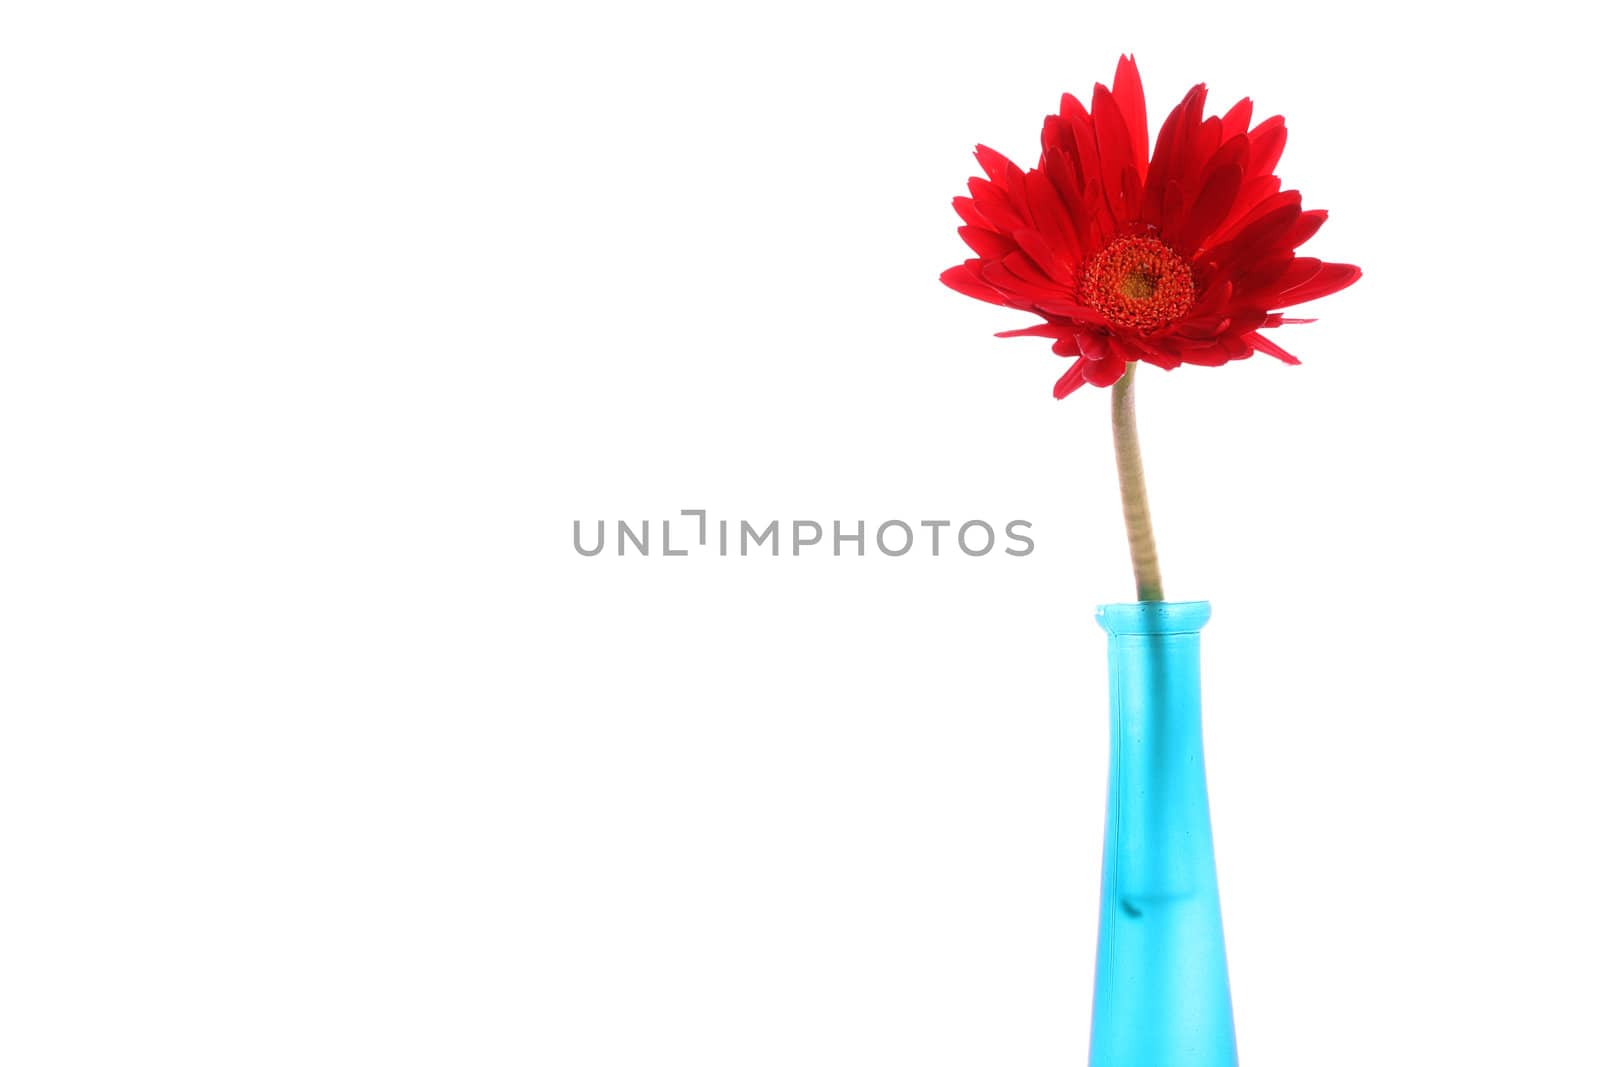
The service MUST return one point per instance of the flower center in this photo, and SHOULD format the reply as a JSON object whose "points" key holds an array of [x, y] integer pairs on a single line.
{"points": [[1138, 283]]}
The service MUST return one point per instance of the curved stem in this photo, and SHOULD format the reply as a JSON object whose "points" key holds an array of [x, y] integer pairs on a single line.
{"points": [[1135, 504]]}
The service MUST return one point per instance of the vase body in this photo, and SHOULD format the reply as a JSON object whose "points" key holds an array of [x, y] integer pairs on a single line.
{"points": [[1161, 995]]}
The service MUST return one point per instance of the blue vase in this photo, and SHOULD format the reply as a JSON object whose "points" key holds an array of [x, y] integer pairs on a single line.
{"points": [[1161, 976]]}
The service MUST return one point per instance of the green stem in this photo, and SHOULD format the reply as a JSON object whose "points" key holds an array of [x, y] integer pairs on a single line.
{"points": [[1135, 504]]}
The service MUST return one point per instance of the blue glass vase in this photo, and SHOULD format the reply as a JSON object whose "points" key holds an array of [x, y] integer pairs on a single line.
{"points": [[1161, 994]]}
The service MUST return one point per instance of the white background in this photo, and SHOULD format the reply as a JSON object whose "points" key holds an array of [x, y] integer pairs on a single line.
{"points": [[321, 322]]}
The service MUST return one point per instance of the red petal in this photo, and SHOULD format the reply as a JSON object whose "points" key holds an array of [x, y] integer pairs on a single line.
{"points": [[1214, 300], [1128, 91], [1072, 109], [997, 167], [1237, 120], [1036, 248], [1271, 349], [1303, 230], [1126, 349], [1266, 206], [1087, 153], [994, 205], [1092, 345], [1055, 225], [968, 211], [1115, 148], [1202, 329], [986, 243], [1070, 381], [1104, 372], [1156, 357], [1073, 311], [1167, 158], [1031, 275], [1213, 205], [1302, 270], [1266, 145], [1330, 279], [1262, 275], [1060, 135], [1132, 193], [1055, 330], [963, 280], [1210, 356], [1058, 168]]}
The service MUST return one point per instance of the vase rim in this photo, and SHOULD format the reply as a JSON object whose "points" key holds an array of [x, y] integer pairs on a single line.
{"points": [[1154, 617]]}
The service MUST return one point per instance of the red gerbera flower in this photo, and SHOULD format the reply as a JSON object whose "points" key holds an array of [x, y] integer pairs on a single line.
{"points": [[1183, 255]]}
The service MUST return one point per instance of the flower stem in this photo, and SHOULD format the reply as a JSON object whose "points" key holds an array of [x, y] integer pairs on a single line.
{"points": [[1135, 504]]}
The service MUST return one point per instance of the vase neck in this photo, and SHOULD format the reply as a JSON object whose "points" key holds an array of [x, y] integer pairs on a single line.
{"points": [[1153, 617], [1154, 661]]}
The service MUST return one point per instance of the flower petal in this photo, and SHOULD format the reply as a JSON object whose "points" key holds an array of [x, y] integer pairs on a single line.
{"points": [[1128, 90], [1209, 208], [1330, 279], [1050, 215], [986, 243], [1167, 158], [1092, 345], [1073, 311], [1266, 145], [1304, 229], [1071, 380], [1237, 120], [964, 280], [1271, 349], [1104, 372], [1056, 330], [997, 167], [1116, 152]]}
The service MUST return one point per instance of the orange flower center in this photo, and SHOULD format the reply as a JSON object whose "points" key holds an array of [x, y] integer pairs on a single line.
{"points": [[1139, 283]]}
